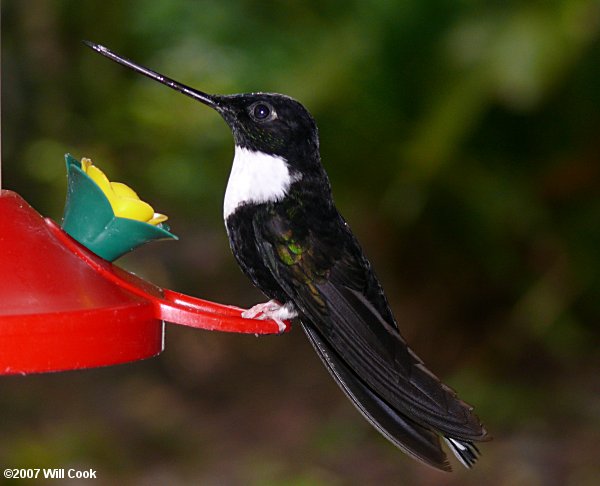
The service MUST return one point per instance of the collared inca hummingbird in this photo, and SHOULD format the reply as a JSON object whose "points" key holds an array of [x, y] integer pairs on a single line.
{"points": [[291, 241]]}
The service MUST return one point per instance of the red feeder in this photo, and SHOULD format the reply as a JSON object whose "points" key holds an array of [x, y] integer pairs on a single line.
{"points": [[62, 307]]}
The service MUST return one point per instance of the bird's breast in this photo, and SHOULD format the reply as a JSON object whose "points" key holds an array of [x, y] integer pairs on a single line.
{"points": [[255, 178]]}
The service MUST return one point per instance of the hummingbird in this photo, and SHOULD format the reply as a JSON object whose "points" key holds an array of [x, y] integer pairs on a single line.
{"points": [[289, 238]]}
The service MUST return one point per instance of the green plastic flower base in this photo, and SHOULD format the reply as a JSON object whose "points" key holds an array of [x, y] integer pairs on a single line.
{"points": [[90, 219]]}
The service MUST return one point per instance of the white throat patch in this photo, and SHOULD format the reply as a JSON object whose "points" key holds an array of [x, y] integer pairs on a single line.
{"points": [[255, 178]]}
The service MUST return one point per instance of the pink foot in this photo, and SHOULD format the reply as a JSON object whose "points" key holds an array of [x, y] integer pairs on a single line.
{"points": [[271, 310]]}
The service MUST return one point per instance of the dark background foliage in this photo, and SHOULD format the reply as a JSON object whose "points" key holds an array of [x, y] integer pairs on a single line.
{"points": [[461, 138]]}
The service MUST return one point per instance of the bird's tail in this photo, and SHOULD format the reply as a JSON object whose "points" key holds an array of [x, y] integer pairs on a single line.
{"points": [[465, 451], [420, 442], [416, 440]]}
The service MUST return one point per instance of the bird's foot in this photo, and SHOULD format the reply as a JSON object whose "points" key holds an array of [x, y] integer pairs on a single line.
{"points": [[272, 310]]}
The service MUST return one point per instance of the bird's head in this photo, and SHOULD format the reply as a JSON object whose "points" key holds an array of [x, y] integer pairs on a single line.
{"points": [[270, 123]]}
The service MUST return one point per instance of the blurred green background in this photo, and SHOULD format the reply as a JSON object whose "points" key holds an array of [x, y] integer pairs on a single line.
{"points": [[462, 139]]}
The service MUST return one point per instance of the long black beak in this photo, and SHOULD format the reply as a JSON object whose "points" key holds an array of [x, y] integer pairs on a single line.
{"points": [[205, 98]]}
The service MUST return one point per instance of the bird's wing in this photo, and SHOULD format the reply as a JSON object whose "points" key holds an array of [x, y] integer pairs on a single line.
{"points": [[343, 309]]}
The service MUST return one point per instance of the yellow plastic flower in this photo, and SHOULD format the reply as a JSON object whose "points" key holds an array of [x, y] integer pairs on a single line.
{"points": [[123, 199]]}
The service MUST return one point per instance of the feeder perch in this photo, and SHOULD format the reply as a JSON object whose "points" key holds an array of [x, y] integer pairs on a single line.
{"points": [[62, 306]]}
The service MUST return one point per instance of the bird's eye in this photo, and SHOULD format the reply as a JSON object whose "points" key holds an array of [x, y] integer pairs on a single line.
{"points": [[262, 111]]}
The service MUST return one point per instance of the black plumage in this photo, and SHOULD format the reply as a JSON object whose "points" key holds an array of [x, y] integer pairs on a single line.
{"points": [[345, 315]]}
